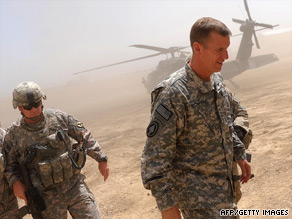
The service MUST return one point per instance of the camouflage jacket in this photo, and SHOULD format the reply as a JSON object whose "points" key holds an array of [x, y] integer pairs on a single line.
{"points": [[191, 143], [21, 136], [6, 193]]}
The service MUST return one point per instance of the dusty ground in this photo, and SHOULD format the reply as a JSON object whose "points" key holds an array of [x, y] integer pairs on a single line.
{"points": [[117, 112]]}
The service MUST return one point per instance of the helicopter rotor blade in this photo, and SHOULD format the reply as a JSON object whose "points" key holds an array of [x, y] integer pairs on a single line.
{"points": [[178, 49], [159, 49], [237, 21], [239, 34], [256, 40], [268, 27], [247, 10], [118, 63], [264, 25]]}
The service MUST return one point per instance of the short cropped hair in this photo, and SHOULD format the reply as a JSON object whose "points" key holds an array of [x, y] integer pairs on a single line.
{"points": [[203, 27]]}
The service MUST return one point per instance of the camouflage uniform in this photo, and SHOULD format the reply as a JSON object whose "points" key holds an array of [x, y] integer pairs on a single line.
{"points": [[8, 202], [62, 185], [241, 125], [191, 144]]}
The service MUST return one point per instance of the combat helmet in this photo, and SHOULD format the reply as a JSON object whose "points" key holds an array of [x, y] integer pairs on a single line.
{"points": [[26, 93]]}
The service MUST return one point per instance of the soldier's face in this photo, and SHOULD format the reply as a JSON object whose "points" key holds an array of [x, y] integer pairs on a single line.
{"points": [[214, 52], [30, 112]]}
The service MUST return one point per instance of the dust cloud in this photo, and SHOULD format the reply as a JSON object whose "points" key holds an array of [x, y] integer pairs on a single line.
{"points": [[117, 111]]}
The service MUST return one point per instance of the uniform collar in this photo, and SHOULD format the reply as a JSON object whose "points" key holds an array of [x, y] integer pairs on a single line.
{"points": [[203, 86], [35, 127]]}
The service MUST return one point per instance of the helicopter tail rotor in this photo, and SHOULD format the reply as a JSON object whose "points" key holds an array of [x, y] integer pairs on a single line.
{"points": [[250, 24]]}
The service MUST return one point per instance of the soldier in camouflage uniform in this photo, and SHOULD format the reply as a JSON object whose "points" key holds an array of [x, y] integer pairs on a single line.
{"points": [[55, 169], [191, 142], [241, 127], [8, 202]]}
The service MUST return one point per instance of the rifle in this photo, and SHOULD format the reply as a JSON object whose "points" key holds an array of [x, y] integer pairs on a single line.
{"points": [[36, 203]]}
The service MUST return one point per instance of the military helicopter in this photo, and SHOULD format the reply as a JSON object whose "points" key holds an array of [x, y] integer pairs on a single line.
{"points": [[243, 60], [164, 68], [230, 69]]}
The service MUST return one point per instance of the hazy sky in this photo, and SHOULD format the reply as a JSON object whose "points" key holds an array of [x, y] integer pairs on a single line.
{"points": [[47, 41]]}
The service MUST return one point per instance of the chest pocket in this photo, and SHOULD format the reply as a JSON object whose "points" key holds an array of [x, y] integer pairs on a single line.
{"points": [[58, 168], [55, 170], [203, 119], [54, 165]]}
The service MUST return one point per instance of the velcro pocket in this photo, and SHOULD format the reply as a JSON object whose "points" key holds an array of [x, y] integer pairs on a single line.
{"points": [[66, 165], [45, 172], [57, 171]]}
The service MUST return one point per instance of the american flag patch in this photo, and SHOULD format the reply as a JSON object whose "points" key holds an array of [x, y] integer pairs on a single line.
{"points": [[164, 112]]}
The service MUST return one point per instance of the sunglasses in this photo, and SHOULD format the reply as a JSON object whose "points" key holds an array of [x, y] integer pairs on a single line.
{"points": [[31, 105]]}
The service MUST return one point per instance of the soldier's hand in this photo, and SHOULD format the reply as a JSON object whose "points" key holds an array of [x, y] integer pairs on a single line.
{"points": [[171, 213], [103, 169], [19, 191], [245, 170]]}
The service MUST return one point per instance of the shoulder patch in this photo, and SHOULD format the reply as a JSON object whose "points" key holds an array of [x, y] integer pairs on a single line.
{"points": [[164, 112], [152, 129]]}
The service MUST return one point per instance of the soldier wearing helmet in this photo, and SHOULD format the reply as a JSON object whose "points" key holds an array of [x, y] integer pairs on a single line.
{"points": [[61, 143], [8, 202], [28, 96]]}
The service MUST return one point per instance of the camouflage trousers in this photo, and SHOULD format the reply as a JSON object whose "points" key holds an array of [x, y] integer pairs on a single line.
{"points": [[78, 200], [9, 210], [214, 213]]}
